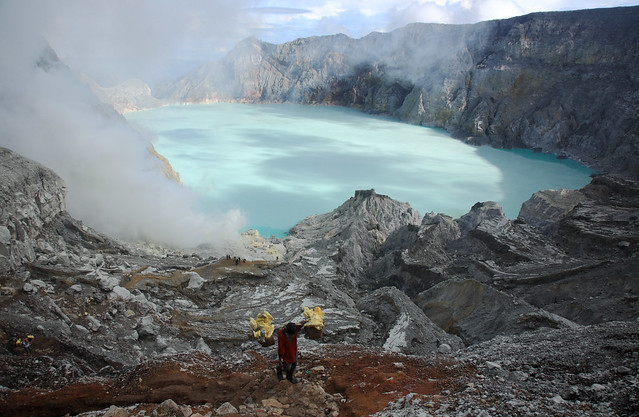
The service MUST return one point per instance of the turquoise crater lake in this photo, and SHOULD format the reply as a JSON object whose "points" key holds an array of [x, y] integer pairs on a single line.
{"points": [[279, 163]]}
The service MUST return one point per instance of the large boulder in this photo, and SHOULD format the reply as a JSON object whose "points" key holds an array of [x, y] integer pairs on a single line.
{"points": [[488, 214], [545, 208], [489, 237]]}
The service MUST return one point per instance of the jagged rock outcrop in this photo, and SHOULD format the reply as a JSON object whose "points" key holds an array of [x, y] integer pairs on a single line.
{"points": [[489, 234], [480, 245], [488, 215], [402, 326], [413, 258], [547, 207], [605, 223], [600, 236], [477, 312], [575, 259], [343, 241], [561, 82]]}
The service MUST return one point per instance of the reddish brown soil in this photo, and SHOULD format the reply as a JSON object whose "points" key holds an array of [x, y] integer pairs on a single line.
{"points": [[367, 379], [370, 379]]}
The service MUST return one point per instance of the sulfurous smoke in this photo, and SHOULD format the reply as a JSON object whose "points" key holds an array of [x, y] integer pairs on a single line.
{"points": [[113, 183]]}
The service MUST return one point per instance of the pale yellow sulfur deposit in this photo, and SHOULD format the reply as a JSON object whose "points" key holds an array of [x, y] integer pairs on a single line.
{"points": [[262, 327], [314, 318]]}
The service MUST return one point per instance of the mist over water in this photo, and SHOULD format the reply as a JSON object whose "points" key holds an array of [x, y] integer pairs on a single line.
{"points": [[280, 163]]}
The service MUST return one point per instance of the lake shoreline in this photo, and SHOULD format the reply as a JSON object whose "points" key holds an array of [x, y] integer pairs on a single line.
{"points": [[391, 148]]}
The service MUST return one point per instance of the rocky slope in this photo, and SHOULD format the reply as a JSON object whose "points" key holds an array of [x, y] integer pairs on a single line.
{"points": [[32, 198], [131, 95], [424, 316], [563, 82]]}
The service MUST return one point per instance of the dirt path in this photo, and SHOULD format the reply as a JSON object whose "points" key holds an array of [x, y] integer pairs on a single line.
{"points": [[348, 381]]}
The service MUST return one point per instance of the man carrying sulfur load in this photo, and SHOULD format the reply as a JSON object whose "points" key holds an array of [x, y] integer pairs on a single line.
{"points": [[287, 351]]}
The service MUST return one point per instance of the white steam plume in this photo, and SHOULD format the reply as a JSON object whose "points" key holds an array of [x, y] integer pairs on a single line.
{"points": [[114, 184], [114, 40]]}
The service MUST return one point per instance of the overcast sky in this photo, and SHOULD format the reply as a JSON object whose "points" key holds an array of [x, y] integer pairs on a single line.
{"points": [[115, 39], [283, 20]]}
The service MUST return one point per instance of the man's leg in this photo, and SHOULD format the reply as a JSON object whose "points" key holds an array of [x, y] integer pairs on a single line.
{"points": [[278, 370], [289, 372]]}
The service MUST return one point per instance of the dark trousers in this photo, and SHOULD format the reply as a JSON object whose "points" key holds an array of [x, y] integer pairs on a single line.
{"points": [[289, 368]]}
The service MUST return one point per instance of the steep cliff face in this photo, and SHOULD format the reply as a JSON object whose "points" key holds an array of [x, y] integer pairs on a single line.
{"points": [[562, 82], [32, 196], [34, 224]]}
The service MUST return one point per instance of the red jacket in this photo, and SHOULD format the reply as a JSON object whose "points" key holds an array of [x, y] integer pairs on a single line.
{"points": [[287, 348]]}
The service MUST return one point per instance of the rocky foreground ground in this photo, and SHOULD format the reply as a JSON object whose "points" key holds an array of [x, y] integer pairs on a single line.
{"points": [[592, 371], [425, 315]]}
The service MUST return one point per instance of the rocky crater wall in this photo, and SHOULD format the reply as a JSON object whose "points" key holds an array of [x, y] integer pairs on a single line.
{"points": [[563, 82]]}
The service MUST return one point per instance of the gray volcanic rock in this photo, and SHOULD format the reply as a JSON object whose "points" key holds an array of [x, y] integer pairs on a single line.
{"points": [[585, 293], [477, 312], [577, 260], [545, 208], [506, 243], [343, 241], [413, 259], [259, 71], [31, 197], [585, 371], [606, 223], [600, 235], [402, 326], [481, 245], [590, 364], [489, 215], [562, 82], [435, 233]]}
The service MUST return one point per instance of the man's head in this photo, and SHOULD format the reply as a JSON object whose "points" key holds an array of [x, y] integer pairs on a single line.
{"points": [[291, 328]]}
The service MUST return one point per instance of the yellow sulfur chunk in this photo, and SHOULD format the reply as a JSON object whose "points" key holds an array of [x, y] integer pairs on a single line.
{"points": [[262, 327], [314, 318]]}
